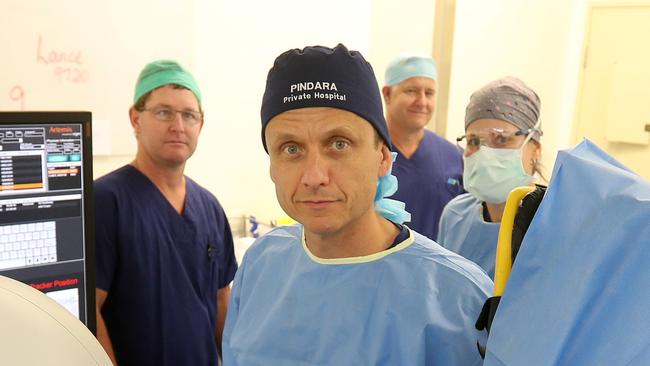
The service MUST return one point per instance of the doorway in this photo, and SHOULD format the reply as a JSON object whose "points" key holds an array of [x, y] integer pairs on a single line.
{"points": [[614, 102]]}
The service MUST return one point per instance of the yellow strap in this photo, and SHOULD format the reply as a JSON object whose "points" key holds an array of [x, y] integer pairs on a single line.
{"points": [[504, 245]]}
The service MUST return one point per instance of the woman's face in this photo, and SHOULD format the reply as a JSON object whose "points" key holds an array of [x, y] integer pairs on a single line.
{"points": [[500, 134]]}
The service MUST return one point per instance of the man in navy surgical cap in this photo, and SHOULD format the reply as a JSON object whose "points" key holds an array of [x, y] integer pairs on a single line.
{"points": [[349, 284]]}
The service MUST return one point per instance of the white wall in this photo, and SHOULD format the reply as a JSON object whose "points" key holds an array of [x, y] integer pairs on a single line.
{"points": [[235, 43], [397, 27], [539, 41]]}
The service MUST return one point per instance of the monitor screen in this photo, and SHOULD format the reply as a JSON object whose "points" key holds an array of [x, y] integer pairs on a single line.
{"points": [[46, 210]]}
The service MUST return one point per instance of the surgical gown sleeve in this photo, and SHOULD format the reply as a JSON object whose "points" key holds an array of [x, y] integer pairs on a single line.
{"points": [[443, 226], [464, 232], [232, 316], [578, 291]]}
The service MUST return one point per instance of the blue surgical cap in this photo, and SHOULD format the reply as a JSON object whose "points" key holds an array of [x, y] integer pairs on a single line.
{"points": [[409, 66]]}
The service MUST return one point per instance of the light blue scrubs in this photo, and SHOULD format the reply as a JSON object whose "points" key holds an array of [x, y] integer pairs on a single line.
{"points": [[413, 304], [463, 231], [578, 292]]}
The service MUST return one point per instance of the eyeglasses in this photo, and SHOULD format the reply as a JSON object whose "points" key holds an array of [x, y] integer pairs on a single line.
{"points": [[165, 114], [497, 138]]}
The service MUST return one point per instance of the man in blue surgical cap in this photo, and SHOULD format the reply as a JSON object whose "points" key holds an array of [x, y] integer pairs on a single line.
{"points": [[349, 284], [165, 253], [428, 167]]}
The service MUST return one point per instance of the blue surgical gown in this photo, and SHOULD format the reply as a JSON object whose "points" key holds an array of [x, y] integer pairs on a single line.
{"points": [[578, 291], [463, 231], [413, 304]]}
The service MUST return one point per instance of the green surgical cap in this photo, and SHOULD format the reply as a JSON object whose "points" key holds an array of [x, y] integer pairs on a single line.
{"points": [[164, 72], [408, 66]]}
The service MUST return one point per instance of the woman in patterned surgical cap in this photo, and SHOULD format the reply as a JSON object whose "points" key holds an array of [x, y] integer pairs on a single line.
{"points": [[501, 152]]}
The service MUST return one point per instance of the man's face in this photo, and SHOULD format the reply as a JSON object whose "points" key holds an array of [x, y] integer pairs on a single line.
{"points": [[411, 103], [325, 163], [167, 143]]}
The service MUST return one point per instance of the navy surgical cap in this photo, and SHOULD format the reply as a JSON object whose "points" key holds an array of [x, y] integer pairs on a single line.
{"points": [[323, 77]]}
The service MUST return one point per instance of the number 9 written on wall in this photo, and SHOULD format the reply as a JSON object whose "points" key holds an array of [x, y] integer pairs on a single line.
{"points": [[17, 94]]}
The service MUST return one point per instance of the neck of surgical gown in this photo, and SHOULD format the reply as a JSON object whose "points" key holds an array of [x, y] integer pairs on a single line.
{"points": [[413, 304]]}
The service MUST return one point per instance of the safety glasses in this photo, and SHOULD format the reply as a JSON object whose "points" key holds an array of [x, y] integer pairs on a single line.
{"points": [[497, 138]]}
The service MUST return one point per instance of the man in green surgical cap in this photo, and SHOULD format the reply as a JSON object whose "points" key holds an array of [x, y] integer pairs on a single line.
{"points": [[165, 252]]}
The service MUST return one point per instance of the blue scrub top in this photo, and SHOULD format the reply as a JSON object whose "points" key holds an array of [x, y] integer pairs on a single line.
{"points": [[161, 270], [412, 304], [464, 231], [428, 180]]}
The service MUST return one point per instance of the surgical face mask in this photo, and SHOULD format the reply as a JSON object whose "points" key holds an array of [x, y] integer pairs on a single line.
{"points": [[490, 174], [391, 209]]}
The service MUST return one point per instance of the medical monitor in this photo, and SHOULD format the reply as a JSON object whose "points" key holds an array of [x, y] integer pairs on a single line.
{"points": [[46, 206]]}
